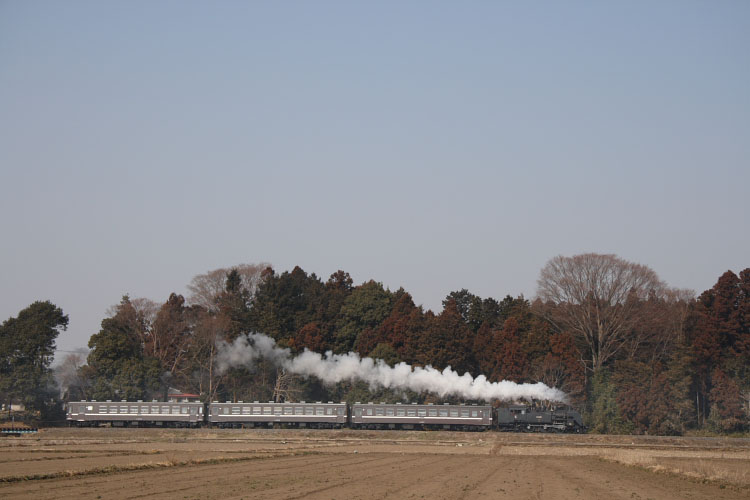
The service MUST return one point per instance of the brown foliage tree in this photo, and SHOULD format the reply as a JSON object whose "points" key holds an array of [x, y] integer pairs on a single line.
{"points": [[486, 349], [562, 366], [719, 337], [171, 334], [446, 340], [512, 362], [646, 398], [309, 337], [726, 402]]}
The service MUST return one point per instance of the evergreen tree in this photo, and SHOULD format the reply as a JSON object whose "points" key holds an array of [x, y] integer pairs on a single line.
{"points": [[27, 347], [603, 415], [366, 307], [284, 304], [400, 330], [234, 306], [116, 364]]}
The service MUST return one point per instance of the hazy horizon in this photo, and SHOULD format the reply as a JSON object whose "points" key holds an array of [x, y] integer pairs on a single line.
{"points": [[426, 145]]}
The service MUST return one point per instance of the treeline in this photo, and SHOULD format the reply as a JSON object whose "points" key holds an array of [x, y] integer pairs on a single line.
{"points": [[634, 355]]}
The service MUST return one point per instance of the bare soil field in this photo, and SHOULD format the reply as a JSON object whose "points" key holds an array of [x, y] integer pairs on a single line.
{"points": [[285, 464]]}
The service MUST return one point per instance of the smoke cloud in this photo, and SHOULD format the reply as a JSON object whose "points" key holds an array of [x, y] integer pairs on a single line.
{"points": [[332, 368]]}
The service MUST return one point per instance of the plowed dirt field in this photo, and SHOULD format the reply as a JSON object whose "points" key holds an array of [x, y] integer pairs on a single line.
{"points": [[284, 464]]}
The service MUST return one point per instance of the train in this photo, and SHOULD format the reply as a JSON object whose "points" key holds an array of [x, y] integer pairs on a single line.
{"points": [[330, 415]]}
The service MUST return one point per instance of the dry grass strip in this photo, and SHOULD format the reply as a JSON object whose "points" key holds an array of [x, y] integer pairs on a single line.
{"points": [[699, 470]]}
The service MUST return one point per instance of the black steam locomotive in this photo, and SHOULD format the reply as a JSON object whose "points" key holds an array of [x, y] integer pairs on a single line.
{"points": [[524, 418], [519, 418]]}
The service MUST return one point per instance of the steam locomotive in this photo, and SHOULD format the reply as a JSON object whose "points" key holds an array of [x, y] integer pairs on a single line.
{"points": [[518, 418], [524, 418]]}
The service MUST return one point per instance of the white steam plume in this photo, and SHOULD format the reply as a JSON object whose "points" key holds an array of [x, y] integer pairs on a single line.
{"points": [[332, 368]]}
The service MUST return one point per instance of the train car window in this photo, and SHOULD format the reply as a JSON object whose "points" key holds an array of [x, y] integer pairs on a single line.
{"points": [[411, 413], [329, 411], [318, 410], [369, 411], [309, 410], [389, 412], [267, 410], [133, 409], [422, 413], [144, 409], [102, 409], [379, 412], [288, 410], [184, 410], [277, 410], [225, 410], [433, 413], [474, 413], [340, 411], [454, 413], [464, 413], [298, 410], [358, 412], [123, 409], [443, 413], [400, 412]]}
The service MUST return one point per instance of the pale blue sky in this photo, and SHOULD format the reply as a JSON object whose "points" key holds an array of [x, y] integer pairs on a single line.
{"points": [[429, 145]]}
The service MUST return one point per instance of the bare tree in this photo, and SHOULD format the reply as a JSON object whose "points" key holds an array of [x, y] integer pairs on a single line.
{"points": [[660, 324], [68, 374], [206, 288], [202, 355], [284, 389], [596, 297]]}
